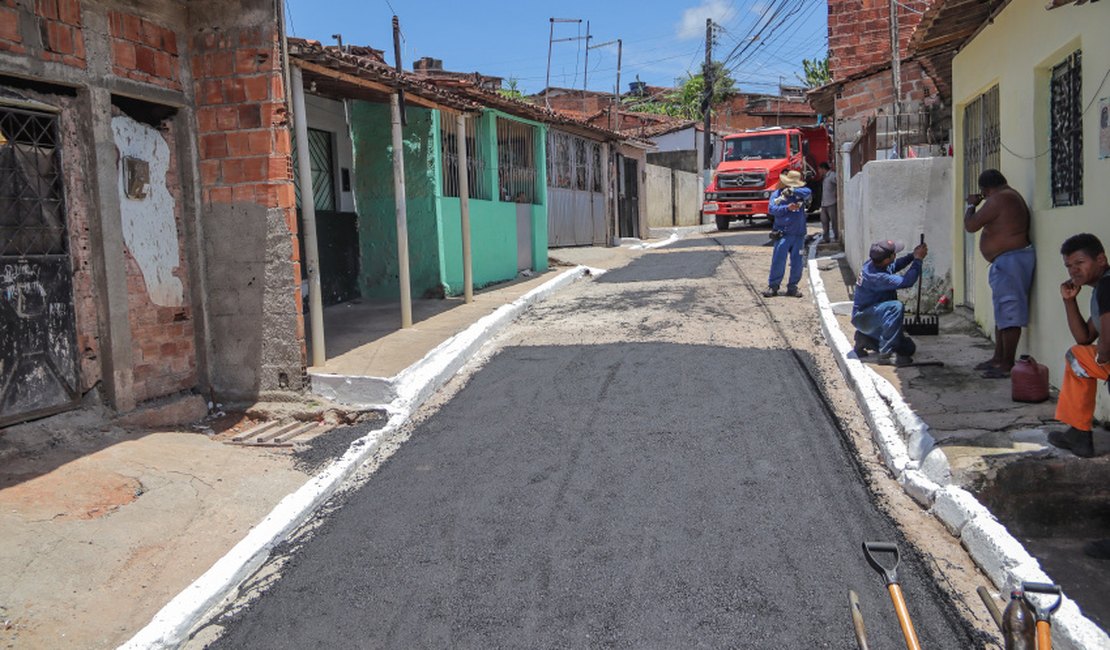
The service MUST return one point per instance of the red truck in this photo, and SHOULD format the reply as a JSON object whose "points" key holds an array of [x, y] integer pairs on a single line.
{"points": [[750, 166]]}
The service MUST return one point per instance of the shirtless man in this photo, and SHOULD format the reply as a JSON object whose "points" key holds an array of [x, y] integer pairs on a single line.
{"points": [[1004, 220]]}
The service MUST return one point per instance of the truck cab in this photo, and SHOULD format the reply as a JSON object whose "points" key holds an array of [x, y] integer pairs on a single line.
{"points": [[751, 163]]}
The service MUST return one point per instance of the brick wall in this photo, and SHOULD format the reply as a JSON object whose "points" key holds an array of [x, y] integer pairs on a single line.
{"points": [[864, 97], [859, 33], [250, 216], [144, 50], [59, 34], [163, 348]]}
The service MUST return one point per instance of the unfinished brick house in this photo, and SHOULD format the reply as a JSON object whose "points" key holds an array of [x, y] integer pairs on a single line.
{"points": [[860, 65], [147, 225]]}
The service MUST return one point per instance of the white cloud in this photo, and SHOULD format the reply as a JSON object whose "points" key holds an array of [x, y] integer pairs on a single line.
{"points": [[692, 24]]}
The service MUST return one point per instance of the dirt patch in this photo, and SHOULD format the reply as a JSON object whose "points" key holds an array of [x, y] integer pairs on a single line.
{"points": [[71, 491]]}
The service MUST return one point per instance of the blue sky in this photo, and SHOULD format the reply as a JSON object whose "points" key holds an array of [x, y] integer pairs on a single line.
{"points": [[662, 40]]}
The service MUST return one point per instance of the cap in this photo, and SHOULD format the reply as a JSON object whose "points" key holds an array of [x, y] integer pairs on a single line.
{"points": [[881, 250]]}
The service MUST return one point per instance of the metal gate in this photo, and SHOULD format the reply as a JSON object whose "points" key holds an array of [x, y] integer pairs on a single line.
{"points": [[982, 142], [38, 364]]}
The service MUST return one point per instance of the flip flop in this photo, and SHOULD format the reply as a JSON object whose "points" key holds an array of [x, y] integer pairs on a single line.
{"points": [[995, 373], [986, 365]]}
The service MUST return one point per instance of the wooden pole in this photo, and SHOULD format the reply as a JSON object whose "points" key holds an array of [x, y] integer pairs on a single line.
{"points": [[464, 210], [308, 219], [402, 214]]}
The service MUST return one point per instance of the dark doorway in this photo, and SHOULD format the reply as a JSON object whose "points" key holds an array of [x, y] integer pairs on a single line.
{"points": [[629, 204]]}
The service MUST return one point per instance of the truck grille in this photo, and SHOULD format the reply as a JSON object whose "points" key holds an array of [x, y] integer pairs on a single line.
{"points": [[740, 196], [742, 179]]}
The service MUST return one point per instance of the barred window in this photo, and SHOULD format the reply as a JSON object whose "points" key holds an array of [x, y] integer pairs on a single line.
{"points": [[1067, 132], [32, 216], [516, 161], [475, 157], [573, 162]]}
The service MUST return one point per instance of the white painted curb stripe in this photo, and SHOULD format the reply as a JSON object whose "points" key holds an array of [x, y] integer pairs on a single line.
{"points": [[171, 625], [893, 425]]}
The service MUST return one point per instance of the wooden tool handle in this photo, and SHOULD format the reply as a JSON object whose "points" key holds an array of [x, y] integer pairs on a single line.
{"points": [[1044, 635], [904, 617]]}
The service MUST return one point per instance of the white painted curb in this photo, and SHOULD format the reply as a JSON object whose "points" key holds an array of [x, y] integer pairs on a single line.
{"points": [[909, 451], [172, 624]]}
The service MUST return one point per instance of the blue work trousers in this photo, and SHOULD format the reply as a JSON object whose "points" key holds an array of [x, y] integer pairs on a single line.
{"points": [[788, 246], [883, 322]]}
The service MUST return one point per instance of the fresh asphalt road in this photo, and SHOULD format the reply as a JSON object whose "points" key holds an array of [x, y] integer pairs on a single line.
{"points": [[639, 494]]}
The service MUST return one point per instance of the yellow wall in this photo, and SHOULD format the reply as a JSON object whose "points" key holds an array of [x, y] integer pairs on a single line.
{"points": [[1017, 52]]}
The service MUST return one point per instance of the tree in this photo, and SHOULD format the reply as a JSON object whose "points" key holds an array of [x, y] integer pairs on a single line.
{"points": [[816, 72], [688, 99], [512, 90]]}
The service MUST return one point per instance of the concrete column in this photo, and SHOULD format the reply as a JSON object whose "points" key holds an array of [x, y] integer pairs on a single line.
{"points": [[107, 258], [308, 218]]}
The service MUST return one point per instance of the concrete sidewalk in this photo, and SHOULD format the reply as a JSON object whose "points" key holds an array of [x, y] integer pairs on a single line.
{"points": [[981, 462], [108, 525]]}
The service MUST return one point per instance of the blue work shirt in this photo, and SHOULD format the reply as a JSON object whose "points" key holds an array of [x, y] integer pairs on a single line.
{"points": [[791, 222], [879, 284]]}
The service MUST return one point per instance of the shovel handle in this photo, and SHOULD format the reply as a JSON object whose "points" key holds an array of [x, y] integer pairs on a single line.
{"points": [[857, 620], [1044, 635], [890, 574], [1042, 613], [903, 617]]}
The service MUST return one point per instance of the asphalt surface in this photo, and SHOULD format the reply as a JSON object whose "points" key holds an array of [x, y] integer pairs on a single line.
{"points": [[632, 495]]}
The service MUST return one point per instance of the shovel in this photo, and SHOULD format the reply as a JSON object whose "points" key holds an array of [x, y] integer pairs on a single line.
{"points": [[890, 574], [922, 325], [1042, 614]]}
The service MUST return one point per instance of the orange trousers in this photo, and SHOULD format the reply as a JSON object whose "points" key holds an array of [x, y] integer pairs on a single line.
{"points": [[1076, 406]]}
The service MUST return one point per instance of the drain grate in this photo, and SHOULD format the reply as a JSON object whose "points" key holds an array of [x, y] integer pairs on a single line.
{"points": [[280, 433]]}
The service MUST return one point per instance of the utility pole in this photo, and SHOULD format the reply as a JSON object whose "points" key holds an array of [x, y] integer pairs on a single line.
{"points": [[586, 68], [397, 114], [707, 76], [617, 90], [896, 74], [552, 40]]}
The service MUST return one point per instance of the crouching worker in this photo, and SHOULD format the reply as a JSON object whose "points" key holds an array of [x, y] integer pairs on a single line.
{"points": [[876, 310], [1086, 362]]}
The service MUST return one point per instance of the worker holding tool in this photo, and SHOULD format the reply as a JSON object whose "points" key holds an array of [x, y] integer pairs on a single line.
{"points": [[788, 205], [1087, 361], [877, 313], [1004, 220]]}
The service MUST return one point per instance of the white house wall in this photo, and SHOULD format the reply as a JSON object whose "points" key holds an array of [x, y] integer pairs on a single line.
{"points": [[327, 115]]}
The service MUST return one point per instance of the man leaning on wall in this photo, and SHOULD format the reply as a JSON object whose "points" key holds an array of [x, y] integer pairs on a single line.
{"points": [[1004, 220]]}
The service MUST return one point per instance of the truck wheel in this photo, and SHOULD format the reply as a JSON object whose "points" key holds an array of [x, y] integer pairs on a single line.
{"points": [[722, 222]]}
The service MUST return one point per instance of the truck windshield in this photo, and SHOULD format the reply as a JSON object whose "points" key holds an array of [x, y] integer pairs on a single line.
{"points": [[756, 147]]}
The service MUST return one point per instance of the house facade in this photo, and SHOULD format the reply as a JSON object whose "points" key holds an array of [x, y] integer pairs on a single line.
{"points": [[149, 238], [1039, 116]]}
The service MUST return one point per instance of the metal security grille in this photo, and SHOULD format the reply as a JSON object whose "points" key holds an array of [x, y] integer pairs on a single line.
{"points": [[475, 157], [1067, 132], [573, 163], [31, 216], [321, 163], [981, 150], [38, 360], [516, 161], [982, 138]]}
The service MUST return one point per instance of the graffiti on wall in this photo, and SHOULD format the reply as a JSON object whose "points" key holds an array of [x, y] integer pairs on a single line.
{"points": [[21, 288], [149, 228]]}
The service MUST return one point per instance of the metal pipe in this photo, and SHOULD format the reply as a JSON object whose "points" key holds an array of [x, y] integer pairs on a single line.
{"points": [[308, 218], [464, 209], [402, 214]]}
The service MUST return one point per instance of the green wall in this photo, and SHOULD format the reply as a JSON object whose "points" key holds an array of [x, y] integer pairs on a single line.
{"points": [[493, 224], [434, 221], [373, 190]]}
